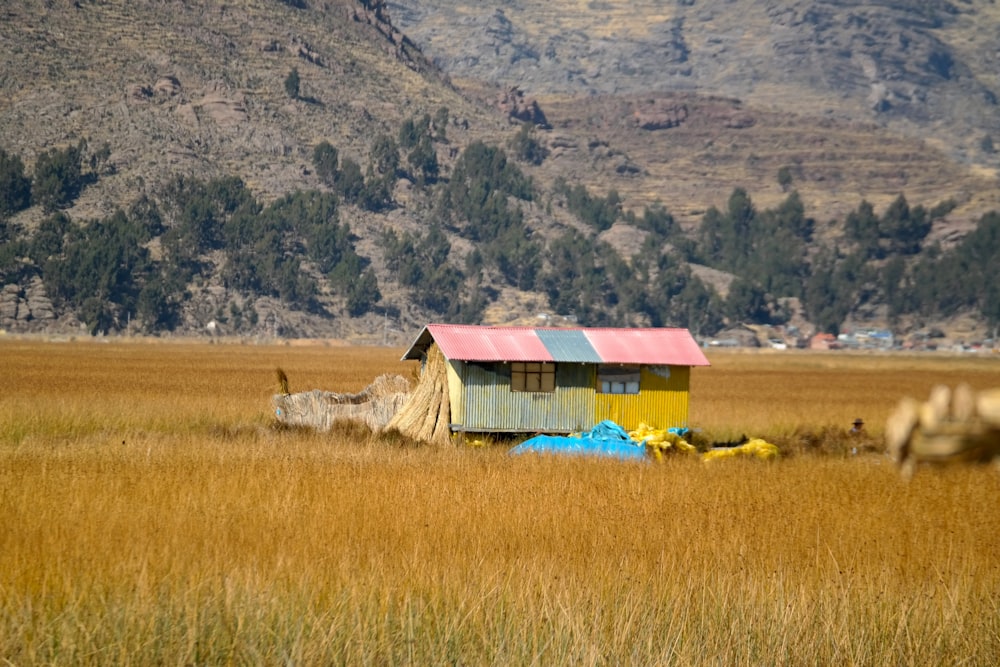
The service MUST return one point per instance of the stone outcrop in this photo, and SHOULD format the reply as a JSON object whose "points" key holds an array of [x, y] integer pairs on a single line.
{"points": [[138, 92], [167, 86], [223, 110], [516, 105], [26, 309], [659, 114], [303, 50], [375, 13], [10, 299]]}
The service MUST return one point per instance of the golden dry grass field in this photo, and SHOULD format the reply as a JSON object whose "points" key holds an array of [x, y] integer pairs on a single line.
{"points": [[151, 514]]}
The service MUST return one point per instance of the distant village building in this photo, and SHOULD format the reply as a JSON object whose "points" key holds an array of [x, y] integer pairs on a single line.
{"points": [[823, 341], [527, 380], [736, 336], [872, 339], [858, 339]]}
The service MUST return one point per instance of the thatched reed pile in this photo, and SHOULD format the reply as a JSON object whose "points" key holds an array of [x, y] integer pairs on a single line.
{"points": [[427, 415], [951, 426], [374, 406]]}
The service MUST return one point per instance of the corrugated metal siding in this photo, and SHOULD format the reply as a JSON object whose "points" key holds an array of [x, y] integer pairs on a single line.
{"points": [[568, 345], [455, 402], [490, 405], [660, 403]]}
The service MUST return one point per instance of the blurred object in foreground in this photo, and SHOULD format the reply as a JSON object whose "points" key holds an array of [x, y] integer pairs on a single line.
{"points": [[950, 427]]}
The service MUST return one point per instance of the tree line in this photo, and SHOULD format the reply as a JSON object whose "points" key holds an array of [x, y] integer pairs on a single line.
{"points": [[106, 272], [879, 260]]}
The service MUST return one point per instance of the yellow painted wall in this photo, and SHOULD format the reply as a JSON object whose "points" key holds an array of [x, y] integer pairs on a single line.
{"points": [[661, 402]]}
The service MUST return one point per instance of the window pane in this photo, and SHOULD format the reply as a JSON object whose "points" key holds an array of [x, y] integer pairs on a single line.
{"points": [[548, 382], [618, 379], [532, 376], [517, 381]]}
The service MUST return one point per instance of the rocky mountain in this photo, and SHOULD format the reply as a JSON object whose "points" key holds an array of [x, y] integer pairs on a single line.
{"points": [[860, 99], [197, 89], [922, 69], [671, 104]]}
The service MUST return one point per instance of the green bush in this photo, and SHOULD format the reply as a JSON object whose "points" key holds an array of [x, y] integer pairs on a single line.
{"points": [[293, 83], [15, 187], [58, 177]]}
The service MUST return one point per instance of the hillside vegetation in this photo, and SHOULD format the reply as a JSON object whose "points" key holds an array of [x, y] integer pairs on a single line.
{"points": [[305, 169]]}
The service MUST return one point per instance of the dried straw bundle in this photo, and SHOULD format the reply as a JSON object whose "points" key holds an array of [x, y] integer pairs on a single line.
{"points": [[374, 406], [427, 415]]}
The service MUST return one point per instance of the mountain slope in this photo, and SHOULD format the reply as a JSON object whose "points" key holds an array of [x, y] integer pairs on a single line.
{"points": [[926, 69], [197, 87], [859, 100], [646, 103]]}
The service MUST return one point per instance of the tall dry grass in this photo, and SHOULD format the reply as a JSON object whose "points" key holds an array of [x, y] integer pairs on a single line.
{"points": [[150, 514], [797, 398]]}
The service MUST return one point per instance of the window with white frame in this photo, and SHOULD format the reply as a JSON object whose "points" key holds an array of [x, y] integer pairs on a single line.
{"points": [[618, 379], [536, 376]]}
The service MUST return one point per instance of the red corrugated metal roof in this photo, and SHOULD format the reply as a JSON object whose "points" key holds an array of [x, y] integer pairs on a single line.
{"points": [[675, 347], [475, 343], [614, 346]]}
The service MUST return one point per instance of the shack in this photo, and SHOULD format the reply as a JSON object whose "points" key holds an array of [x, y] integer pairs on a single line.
{"points": [[545, 380]]}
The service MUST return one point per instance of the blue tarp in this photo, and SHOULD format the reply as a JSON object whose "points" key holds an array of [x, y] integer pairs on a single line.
{"points": [[607, 439]]}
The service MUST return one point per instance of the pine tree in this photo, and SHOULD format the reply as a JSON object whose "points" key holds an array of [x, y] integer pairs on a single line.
{"points": [[15, 187], [292, 83]]}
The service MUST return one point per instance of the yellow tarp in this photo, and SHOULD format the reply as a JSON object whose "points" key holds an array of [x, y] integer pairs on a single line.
{"points": [[659, 441], [755, 448]]}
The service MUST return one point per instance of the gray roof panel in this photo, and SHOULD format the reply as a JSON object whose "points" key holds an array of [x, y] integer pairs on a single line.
{"points": [[569, 345]]}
